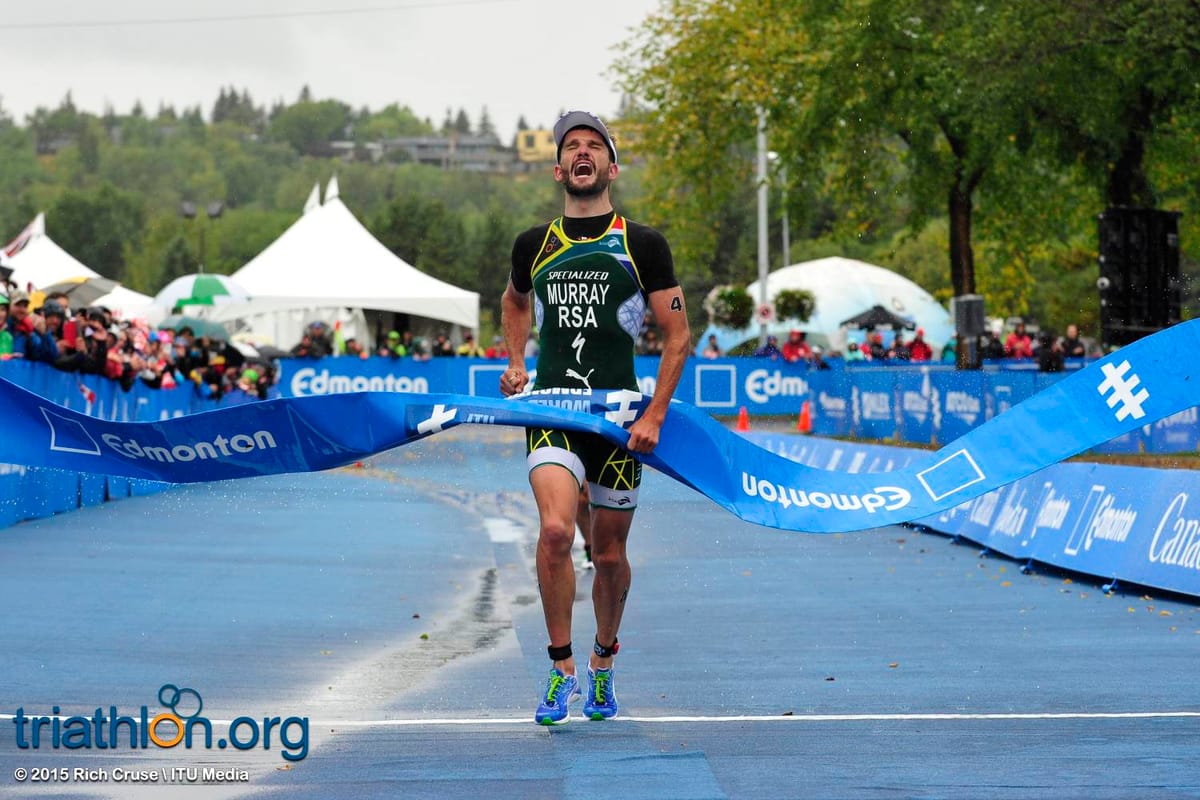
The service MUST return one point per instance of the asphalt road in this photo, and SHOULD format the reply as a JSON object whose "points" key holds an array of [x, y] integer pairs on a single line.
{"points": [[394, 607]]}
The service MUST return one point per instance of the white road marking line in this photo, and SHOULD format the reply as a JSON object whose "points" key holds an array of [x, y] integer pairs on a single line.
{"points": [[502, 531], [903, 717]]}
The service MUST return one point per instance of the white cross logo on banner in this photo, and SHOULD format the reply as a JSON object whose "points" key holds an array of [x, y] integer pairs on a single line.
{"points": [[624, 414], [1120, 390], [437, 419]]}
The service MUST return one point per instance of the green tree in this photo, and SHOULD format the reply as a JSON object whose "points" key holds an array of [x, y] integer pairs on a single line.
{"points": [[1129, 70], [19, 171], [51, 128], [426, 234], [238, 109], [88, 143], [485, 127], [179, 260], [462, 123], [898, 110], [388, 123], [98, 227], [489, 254], [309, 126]]}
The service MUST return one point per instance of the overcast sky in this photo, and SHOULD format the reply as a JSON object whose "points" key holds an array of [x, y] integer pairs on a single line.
{"points": [[517, 57]]}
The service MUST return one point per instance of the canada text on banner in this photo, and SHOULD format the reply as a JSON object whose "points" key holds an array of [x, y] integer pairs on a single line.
{"points": [[1145, 381]]}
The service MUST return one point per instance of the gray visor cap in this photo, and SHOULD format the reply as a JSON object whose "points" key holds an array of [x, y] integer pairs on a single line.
{"points": [[581, 119]]}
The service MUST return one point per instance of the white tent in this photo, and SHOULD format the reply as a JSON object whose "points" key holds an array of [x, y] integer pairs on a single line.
{"points": [[843, 287], [326, 261], [128, 304], [40, 262]]}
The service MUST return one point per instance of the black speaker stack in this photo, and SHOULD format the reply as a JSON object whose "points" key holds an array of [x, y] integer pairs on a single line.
{"points": [[1140, 289], [969, 325]]}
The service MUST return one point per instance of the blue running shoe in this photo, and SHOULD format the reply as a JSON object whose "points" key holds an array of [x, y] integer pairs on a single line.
{"points": [[560, 690], [601, 700]]}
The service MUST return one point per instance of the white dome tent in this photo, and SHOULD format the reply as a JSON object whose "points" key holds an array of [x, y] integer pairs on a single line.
{"points": [[842, 287]]}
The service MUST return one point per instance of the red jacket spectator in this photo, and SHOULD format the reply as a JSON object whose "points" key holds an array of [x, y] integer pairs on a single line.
{"points": [[919, 349], [497, 350], [796, 348], [1018, 344]]}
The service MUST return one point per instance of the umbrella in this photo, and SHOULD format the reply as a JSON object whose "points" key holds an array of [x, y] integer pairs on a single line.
{"points": [[82, 291], [878, 317], [247, 350], [200, 289], [201, 327], [271, 352]]}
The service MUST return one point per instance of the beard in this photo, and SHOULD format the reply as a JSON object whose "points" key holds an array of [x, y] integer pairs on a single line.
{"points": [[597, 188]]}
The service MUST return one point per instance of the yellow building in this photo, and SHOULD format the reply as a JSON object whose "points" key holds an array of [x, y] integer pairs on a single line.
{"points": [[536, 146]]}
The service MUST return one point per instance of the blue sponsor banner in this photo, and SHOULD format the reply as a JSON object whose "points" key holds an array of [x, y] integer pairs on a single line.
{"points": [[920, 404], [720, 386], [1178, 433], [12, 484], [1081, 410], [873, 404], [1130, 523], [35, 492], [960, 395], [1133, 524], [830, 407], [1005, 388], [917, 405], [1139, 384], [1127, 443], [306, 378]]}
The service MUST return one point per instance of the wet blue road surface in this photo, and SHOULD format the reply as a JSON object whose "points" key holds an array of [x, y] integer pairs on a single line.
{"points": [[395, 607]]}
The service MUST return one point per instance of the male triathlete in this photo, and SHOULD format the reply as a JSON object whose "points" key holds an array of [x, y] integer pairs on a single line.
{"points": [[586, 280]]}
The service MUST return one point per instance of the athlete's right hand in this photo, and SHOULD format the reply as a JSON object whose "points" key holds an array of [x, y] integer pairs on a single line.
{"points": [[513, 381]]}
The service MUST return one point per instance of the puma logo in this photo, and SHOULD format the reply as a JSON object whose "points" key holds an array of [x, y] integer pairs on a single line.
{"points": [[581, 378]]}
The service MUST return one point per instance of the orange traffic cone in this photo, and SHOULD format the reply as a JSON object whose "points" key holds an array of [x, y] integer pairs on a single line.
{"points": [[805, 423], [743, 423]]}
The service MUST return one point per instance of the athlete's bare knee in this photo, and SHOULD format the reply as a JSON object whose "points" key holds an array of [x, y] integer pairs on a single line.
{"points": [[609, 558], [556, 537]]}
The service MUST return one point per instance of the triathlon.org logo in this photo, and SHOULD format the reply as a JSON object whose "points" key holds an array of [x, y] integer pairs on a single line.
{"points": [[1120, 389], [182, 723]]}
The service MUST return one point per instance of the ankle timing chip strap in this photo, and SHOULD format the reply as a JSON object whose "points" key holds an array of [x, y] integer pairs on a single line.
{"points": [[606, 652], [560, 653]]}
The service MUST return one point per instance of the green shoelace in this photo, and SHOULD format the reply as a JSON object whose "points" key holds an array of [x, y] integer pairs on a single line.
{"points": [[556, 683], [600, 683]]}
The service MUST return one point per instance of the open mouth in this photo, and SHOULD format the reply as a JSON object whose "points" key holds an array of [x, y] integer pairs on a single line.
{"points": [[583, 169]]}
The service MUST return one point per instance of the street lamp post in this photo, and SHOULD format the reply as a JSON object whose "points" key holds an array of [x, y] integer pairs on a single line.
{"points": [[214, 210], [781, 171], [783, 191], [762, 224]]}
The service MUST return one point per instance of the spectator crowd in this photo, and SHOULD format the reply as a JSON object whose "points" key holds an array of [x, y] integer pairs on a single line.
{"points": [[90, 341], [1049, 351]]}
